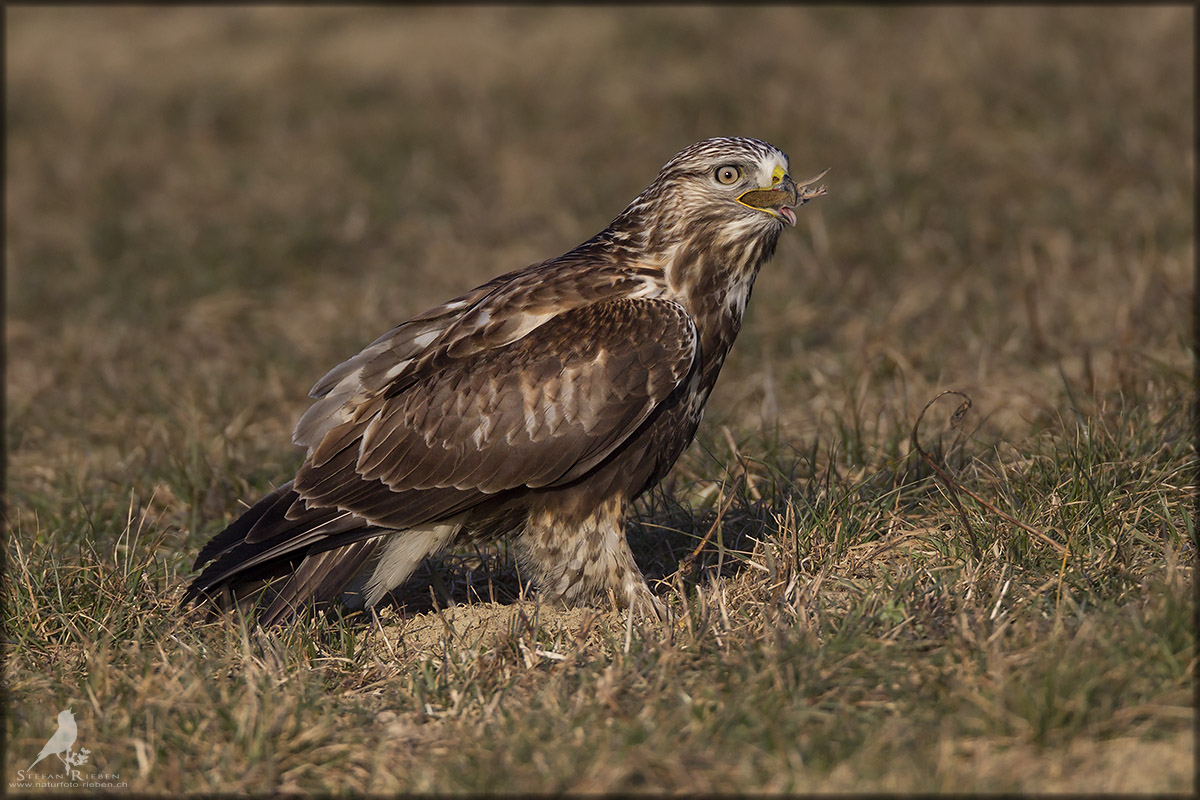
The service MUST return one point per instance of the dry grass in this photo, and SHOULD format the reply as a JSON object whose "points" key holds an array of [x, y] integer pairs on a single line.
{"points": [[208, 208]]}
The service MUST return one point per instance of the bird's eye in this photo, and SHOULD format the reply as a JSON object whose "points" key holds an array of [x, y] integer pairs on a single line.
{"points": [[727, 174]]}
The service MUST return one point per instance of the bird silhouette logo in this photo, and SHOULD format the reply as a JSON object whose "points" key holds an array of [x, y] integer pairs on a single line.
{"points": [[62, 741]]}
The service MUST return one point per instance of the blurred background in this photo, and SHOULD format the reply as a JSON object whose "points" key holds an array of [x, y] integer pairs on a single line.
{"points": [[208, 208]]}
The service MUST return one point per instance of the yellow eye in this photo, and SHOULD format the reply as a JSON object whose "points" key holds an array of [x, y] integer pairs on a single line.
{"points": [[728, 174]]}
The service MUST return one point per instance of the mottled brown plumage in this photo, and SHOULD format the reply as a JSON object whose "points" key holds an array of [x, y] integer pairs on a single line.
{"points": [[538, 405]]}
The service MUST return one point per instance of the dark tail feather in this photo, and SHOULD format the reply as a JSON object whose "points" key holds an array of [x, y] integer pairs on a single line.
{"points": [[274, 539], [278, 501], [319, 580]]}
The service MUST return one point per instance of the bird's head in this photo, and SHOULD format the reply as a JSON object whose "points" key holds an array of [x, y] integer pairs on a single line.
{"points": [[734, 183], [724, 191], [713, 215]]}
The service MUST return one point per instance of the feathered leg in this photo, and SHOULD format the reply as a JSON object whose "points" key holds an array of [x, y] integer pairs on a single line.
{"points": [[580, 558]]}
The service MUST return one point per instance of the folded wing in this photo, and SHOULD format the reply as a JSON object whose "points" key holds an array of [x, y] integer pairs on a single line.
{"points": [[536, 412], [504, 408]]}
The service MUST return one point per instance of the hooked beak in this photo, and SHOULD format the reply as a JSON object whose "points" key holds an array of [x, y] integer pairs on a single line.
{"points": [[782, 199]]}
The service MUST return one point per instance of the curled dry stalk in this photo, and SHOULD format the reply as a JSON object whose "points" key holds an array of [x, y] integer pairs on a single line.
{"points": [[953, 486], [688, 564]]}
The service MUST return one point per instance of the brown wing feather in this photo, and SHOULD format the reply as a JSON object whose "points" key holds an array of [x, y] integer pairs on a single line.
{"points": [[496, 313], [540, 411]]}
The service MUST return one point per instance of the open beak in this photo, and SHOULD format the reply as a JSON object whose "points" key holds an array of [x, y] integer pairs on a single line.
{"points": [[782, 199]]}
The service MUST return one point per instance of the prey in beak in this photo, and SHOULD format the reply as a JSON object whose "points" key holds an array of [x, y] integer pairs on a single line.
{"points": [[784, 197]]}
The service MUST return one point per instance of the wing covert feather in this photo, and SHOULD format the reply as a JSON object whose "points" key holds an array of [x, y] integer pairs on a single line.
{"points": [[540, 411]]}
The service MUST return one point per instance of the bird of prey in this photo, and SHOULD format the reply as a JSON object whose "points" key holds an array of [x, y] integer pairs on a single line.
{"points": [[62, 739], [536, 406]]}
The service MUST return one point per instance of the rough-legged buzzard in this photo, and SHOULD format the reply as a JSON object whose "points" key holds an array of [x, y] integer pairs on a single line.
{"points": [[537, 406]]}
